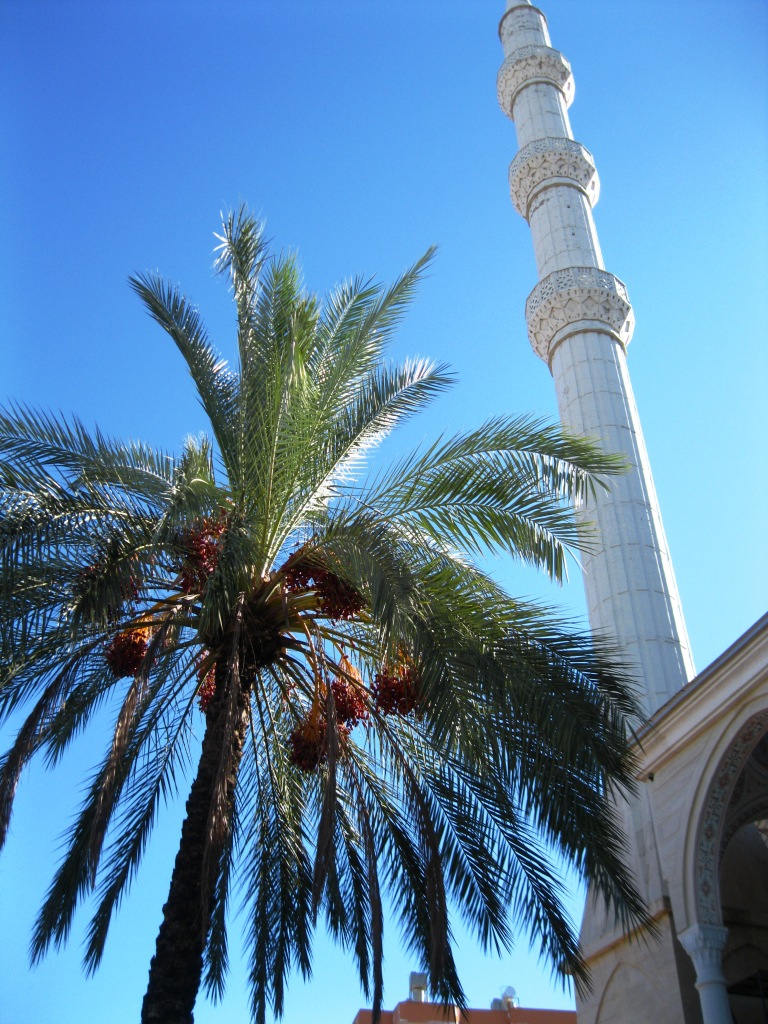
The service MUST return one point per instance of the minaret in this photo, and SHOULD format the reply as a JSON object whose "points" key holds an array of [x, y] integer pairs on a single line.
{"points": [[580, 323]]}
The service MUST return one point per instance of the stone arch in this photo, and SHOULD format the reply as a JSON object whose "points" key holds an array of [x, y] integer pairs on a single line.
{"points": [[626, 985], [709, 829], [723, 848]]}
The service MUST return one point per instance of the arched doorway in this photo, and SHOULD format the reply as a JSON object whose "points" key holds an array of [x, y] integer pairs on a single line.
{"points": [[729, 941], [743, 879]]}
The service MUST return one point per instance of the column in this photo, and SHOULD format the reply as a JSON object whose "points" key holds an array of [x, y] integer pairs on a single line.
{"points": [[704, 945]]}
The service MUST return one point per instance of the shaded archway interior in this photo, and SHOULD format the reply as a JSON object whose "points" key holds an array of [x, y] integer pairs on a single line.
{"points": [[743, 880]]}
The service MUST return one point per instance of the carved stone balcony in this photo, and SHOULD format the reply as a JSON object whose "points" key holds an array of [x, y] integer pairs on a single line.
{"points": [[578, 298], [531, 64], [551, 162]]}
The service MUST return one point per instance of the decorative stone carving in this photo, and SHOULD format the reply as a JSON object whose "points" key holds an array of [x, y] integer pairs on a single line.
{"points": [[704, 945], [532, 64], [577, 295], [749, 800], [556, 160], [712, 829]]}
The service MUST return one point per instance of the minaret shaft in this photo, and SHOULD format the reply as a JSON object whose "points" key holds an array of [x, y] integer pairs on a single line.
{"points": [[579, 322]]}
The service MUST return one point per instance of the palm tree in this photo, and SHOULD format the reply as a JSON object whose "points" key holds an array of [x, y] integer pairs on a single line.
{"points": [[381, 721]]}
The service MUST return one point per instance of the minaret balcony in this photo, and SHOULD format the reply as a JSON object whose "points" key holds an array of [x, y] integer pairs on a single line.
{"points": [[574, 300], [530, 64], [548, 162]]}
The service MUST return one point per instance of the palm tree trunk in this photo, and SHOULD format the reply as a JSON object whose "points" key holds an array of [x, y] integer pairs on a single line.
{"points": [[176, 969]]}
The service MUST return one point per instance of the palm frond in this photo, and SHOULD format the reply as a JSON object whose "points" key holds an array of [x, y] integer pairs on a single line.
{"points": [[151, 780], [217, 386], [241, 255], [41, 453]]}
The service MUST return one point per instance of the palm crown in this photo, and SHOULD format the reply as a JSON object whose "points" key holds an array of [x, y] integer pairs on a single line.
{"points": [[382, 721]]}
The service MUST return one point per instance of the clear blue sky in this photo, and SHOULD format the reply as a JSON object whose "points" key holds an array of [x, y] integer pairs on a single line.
{"points": [[364, 132]]}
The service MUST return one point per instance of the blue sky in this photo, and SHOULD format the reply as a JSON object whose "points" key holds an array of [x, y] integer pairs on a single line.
{"points": [[363, 133]]}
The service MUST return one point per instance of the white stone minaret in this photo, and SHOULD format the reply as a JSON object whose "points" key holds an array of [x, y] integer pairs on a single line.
{"points": [[580, 322]]}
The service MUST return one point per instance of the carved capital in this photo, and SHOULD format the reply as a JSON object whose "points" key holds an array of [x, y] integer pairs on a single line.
{"points": [[577, 299], [704, 945], [557, 161], [532, 64]]}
